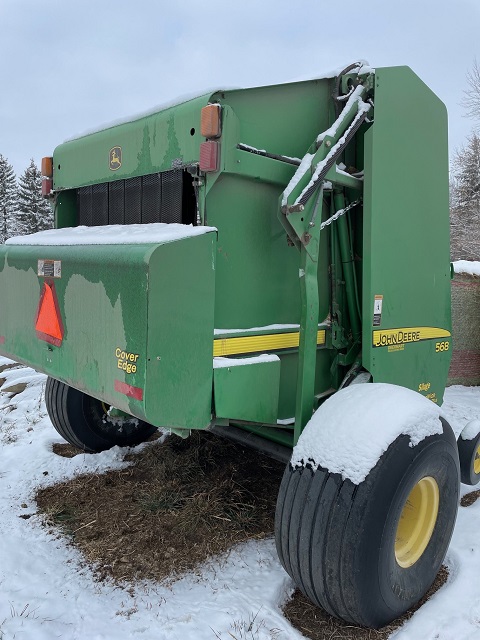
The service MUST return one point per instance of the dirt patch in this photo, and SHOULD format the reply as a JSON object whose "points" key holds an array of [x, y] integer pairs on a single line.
{"points": [[66, 450], [315, 624], [6, 367], [15, 389], [469, 498], [181, 502]]}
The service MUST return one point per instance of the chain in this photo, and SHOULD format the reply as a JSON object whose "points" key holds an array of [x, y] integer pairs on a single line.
{"points": [[339, 213]]}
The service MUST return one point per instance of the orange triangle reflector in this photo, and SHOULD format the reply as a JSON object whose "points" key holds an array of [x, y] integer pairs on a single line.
{"points": [[48, 324]]}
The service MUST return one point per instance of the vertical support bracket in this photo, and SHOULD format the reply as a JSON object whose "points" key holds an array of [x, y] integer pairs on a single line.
{"points": [[307, 354], [348, 266], [302, 222]]}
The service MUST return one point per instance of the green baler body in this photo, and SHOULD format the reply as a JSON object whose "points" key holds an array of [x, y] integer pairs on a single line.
{"points": [[164, 301], [130, 313]]}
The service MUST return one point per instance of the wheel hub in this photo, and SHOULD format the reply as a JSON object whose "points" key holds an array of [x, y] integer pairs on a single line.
{"points": [[476, 462], [417, 522]]}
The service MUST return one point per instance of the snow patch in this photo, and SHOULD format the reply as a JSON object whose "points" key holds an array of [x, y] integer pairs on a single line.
{"points": [[468, 267], [150, 112], [471, 430], [378, 413], [354, 96], [154, 233], [268, 327], [303, 167], [361, 68], [363, 107], [221, 362]]}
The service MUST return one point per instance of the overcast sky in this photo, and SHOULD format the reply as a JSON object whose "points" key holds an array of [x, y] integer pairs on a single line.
{"points": [[69, 66]]}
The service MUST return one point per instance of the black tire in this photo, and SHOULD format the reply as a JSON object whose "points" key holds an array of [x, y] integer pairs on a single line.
{"points": [[469, 454], [337, 540], [84, 422]]}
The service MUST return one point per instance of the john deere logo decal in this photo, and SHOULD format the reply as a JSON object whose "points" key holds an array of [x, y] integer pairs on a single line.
{"points": [[115, 161]]}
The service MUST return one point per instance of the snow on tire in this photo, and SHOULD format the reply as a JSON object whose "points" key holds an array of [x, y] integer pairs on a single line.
{"points": [[469, 453], [367, 551]]}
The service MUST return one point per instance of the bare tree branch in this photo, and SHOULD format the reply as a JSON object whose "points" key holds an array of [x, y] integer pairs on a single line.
{"points": [[471, 95]]}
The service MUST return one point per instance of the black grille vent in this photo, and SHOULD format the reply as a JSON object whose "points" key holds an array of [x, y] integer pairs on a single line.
{"points": [[116, 202], [85, 206], [153, 198], [99, 204], [133, 201], [171, 196]]}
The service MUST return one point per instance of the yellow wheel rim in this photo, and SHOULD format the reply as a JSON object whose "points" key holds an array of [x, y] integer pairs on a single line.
{"points": [[417, 522], [476, 462]]}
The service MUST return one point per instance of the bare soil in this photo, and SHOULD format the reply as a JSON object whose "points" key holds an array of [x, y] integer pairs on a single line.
{"points": [[178, 504], [315, 624], [469, 498]]}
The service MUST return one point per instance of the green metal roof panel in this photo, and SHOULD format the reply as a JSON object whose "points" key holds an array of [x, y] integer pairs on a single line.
{"points": [[152, 143]]}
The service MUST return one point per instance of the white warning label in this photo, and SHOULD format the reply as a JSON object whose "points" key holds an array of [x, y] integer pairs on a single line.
{"points": [[377, 311], [49, 268]]}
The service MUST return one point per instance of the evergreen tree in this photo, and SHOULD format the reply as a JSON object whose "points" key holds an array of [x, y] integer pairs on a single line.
{"points": [[465, 201], [34, 212], [8, 200]]}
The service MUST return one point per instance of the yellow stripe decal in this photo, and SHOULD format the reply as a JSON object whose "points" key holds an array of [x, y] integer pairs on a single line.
{"points": [[388, 337], [256, 344]]}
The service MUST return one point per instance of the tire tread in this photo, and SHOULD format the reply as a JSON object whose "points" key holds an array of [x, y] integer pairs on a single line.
{"points": [[66, 408]]}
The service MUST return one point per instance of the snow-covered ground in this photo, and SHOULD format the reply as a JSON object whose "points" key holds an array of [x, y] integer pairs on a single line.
{"points": [[467, 267], [47, 592]]}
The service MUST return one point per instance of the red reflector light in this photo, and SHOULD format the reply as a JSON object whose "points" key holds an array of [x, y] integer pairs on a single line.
{"points": [[132, 392], [209, 155], [48, 323], [46, 187], [2, 339]]}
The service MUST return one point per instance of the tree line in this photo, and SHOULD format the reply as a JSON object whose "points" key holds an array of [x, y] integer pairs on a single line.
{"points": [[465, 181], [23, 209]]}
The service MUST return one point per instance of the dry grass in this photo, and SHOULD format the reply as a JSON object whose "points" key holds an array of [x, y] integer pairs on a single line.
{"points": [[315, 624], [180, 503], [14, 389], [469, 498], [11, 365]]}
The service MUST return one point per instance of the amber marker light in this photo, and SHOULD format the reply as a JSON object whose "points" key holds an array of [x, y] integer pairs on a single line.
{"points": [[210, 121], [47, 167]]}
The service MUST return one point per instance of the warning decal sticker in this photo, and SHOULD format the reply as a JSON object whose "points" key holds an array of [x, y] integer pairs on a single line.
{"points": [[377, 311], [49, 268]]}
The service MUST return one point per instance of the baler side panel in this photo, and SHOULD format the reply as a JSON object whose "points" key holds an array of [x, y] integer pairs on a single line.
{"points": [[179, 372], [137, 320], [406, 236], [102, 302]]}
